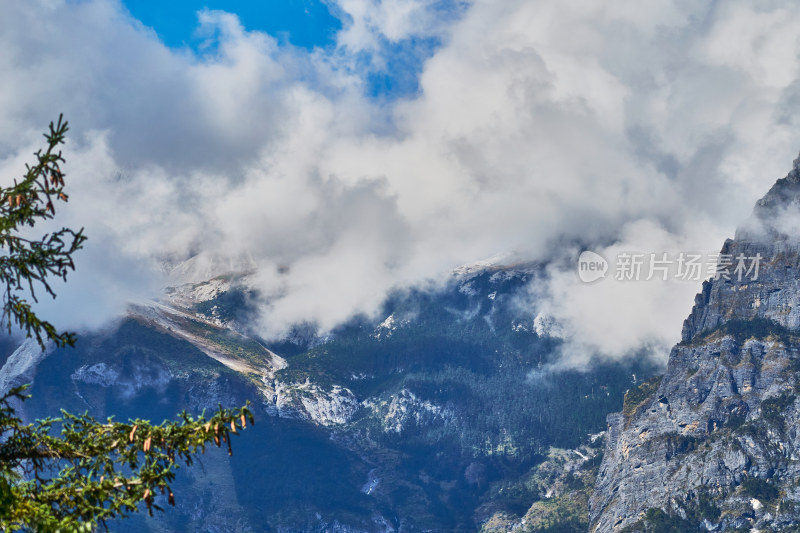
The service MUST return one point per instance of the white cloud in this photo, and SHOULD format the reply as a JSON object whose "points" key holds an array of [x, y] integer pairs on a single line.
{"points": [[632, 310], [537, 124], [368, 22]]}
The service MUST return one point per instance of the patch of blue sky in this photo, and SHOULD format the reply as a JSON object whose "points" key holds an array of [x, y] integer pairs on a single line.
{"points": [[306, 24], [401, 65], [303, 23], [402, 61]]}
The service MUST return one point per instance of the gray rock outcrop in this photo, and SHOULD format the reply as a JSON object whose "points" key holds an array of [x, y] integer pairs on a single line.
{"points": [[713, 444]]}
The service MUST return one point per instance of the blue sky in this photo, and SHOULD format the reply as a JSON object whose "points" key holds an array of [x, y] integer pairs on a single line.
{"points": [[302, 23], [305, 23]]}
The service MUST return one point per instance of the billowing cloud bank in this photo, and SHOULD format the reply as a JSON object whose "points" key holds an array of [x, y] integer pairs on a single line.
{"points": [[539, 127]]}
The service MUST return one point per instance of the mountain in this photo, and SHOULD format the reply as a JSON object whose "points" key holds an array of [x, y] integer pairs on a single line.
{"points": [[713, 445], [444, 412], [424, 418]]}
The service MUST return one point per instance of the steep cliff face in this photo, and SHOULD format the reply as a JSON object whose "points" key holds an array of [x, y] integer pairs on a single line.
{"points": [[713, 444]]}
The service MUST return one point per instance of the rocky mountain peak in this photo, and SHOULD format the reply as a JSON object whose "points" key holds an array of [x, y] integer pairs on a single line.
{"points": [[712, 444], [759, 269]]}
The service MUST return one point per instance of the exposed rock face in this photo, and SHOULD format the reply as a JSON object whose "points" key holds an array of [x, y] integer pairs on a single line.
{"points": [[773, 232], [715, 443], [306, 401], [20, 367], [405, 410], [563, 482]]}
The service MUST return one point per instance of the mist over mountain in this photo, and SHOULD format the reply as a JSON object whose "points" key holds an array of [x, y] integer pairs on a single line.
{"points": [[428, 418], [533, 125]]}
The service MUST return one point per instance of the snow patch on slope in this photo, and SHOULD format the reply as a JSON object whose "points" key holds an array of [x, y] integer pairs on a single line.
{"points": [[205, 266], [546, 326], [97, 374], [404, 410], [307, 401], [20, 367]]}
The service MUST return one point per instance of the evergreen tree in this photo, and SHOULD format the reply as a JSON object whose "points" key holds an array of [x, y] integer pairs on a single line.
{"points": [[74, 472]]}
